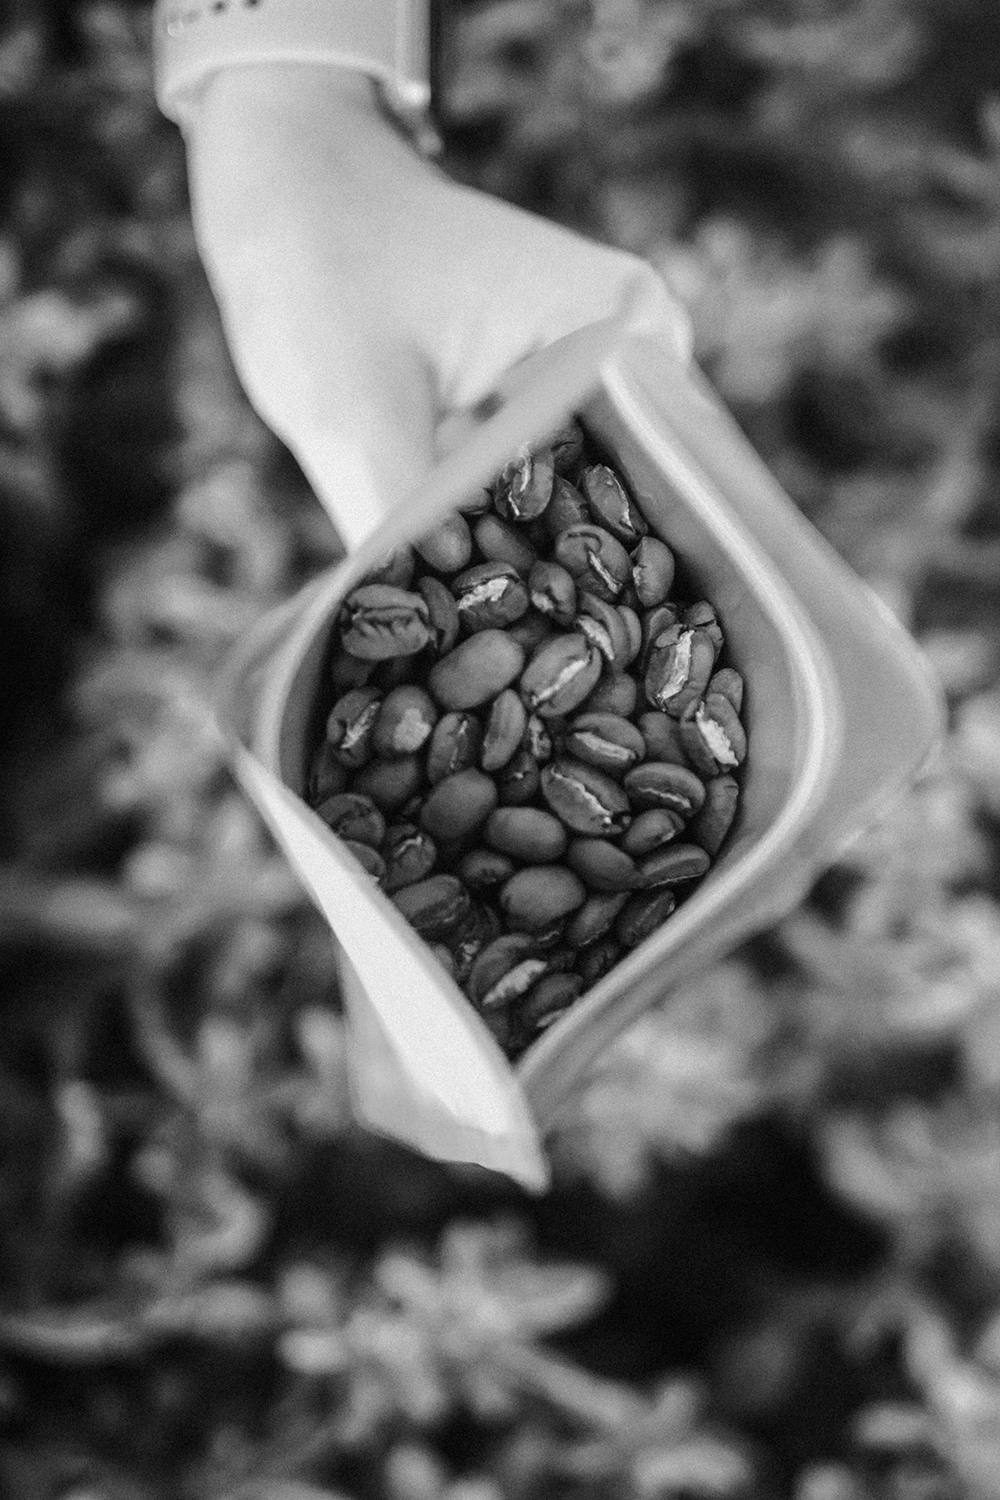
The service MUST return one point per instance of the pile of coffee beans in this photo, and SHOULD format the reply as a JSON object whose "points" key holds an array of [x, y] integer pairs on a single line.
{"points": [[529, 743]]}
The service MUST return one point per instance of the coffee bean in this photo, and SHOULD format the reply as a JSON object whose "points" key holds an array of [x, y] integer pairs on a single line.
{"points": [[434, 907], [448, 548], [454, 746], [607, 741], [674, 864], [389, 783], [540, 895], [595, 559], [526, 833], [650, 830], [642, 915], [476, 670], [553, 592], [566, 508], [595, 918], [350, 725], [498, 541], [586, 800], [601, 865], [610, 506], [505, 727], [710, 826], [660, 784], [405, 720], [457, 806], [713, 736], [490, 596], [560, 675], [380, 621], [652, 571], [351, 815], [525, 486], [410, 855], [615, 693], [482, 868]]}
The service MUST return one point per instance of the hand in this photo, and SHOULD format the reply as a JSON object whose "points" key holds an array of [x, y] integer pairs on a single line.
{"points": [[366, 297]]}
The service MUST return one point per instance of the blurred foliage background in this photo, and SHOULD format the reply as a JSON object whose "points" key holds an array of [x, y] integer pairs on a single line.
{"points": [[770, 1266]]}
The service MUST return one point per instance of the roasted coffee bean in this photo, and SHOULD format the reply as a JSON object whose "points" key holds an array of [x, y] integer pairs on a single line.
{"points": [[350, 726], [456, 806], [597, 960], [380, 621], [327, 776], [678, 669], [586, 800], [454, 746], [610, 506], [519, 781], [595, 918], [567, 447], [526, 833], [674, 864], [601, 865], [710, 826], [434, 907], [604, 626], [536, 897], [474, 933], [499, 541], [405, 721], [642, 915], [442, 612], [368, 858], [657, 783], [476, 670], [615, 693], [560, 675], [505, 726], [410, 855], [448, 548], [481, 869], [350, 815], [651, 830], [633, 632], [547, 999], [553, 592], [389, 783], [607, 741], [655, 623], [662, 736], [595, 559], [729, 683], [702, 616], [525, 486], [652, 571], [490, 596], [566, 508], [713, 736], [513, 957]]}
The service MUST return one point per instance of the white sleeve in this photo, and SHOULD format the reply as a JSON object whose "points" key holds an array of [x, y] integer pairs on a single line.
{"points": [[387, 39]]}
